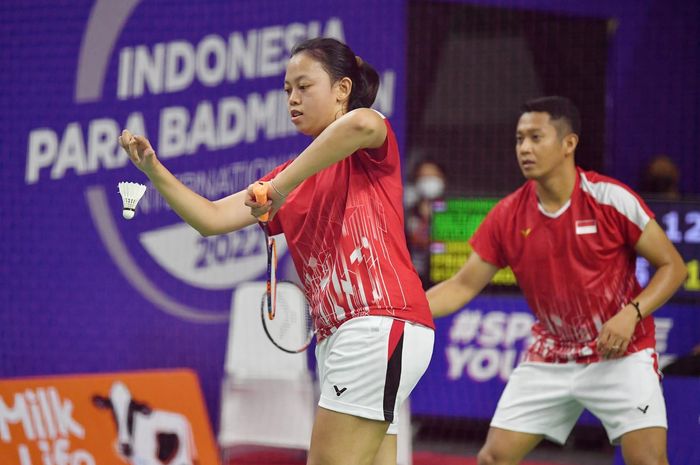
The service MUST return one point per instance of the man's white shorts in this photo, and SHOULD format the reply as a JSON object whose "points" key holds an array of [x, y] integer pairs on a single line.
{"points": [[547, 398], [370, 365]]}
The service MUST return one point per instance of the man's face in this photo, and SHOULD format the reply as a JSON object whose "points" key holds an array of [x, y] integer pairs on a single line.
{"points": [[540, 149]]}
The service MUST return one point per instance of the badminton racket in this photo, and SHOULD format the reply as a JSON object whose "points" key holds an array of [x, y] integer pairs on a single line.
{"points": [[284, 310], [260, 191]]}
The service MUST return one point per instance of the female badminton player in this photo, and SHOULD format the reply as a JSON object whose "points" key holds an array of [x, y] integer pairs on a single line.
{"points": [[339, 204]]}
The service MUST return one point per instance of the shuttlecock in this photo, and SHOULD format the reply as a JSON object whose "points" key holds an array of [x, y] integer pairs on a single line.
{"points": [[131, 193]]}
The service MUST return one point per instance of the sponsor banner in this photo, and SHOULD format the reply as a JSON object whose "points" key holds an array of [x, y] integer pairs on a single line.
{"points": [[477, 348], [147, 418], [83, 288], [205, 85]]}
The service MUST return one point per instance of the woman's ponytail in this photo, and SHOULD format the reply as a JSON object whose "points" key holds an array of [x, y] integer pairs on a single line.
{"points": [[365, 87]]}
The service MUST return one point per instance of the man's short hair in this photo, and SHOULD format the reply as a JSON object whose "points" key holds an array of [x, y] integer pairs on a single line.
{"points": [[559, 108]]}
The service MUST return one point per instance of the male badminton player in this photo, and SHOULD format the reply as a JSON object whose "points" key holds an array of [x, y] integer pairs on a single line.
{"points": [[571, 237]]}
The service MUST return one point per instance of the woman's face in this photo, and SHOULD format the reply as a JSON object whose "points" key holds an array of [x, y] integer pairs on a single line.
{"points": [[313, 101]]}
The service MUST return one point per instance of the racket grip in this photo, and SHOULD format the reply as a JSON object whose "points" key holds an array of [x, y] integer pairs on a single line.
{"points": [[260, 191]]}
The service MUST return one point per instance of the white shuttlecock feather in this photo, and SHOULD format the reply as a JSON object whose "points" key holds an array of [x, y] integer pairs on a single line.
{"points": [[131, 193]]}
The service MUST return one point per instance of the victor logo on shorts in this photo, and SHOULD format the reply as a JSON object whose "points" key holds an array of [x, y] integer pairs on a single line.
{"points": [[338, 392], [643, 410]]}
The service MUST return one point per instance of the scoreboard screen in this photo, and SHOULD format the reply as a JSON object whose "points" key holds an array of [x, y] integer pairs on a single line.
{"points": [[681, 221], [456, 219], [453, 223]]}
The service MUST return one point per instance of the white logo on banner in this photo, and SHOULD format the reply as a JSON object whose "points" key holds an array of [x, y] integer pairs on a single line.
{"points": [[86, 147], [47, 421], [482, 345], [145, 435], [172, 68], [217, 262]]}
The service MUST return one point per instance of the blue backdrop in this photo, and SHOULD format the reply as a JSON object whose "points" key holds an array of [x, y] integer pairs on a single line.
{"points": [[85, 291]]}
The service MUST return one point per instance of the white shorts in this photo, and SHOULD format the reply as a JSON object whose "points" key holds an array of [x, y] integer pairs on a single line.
{"points": [[547, 398], [370, 365]]}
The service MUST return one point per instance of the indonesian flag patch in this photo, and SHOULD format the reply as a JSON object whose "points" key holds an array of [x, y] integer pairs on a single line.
{"points": [[586, 227]]}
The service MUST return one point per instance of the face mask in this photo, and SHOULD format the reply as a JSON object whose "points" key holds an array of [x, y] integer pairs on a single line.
{"points": [[430, 187]]}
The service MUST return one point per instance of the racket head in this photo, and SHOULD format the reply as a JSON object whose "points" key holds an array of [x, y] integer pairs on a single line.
{"points": [[291, 330]]}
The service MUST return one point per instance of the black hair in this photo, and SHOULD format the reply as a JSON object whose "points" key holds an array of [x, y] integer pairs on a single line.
{"points": [[340, 61], [427, 161], [558, 108]]}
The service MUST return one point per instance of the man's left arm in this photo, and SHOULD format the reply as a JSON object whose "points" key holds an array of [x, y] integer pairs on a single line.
{"points": [[670, 273]]}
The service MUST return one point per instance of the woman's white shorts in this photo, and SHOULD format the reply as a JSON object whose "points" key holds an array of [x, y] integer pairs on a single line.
{"points": [[370, 365]]}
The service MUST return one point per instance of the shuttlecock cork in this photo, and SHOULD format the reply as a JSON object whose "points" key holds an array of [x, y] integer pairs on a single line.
{"points": [[131, 193]]}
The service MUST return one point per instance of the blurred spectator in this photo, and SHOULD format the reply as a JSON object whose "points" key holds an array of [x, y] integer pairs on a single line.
{"points": [[427, 184], [660, 179]]}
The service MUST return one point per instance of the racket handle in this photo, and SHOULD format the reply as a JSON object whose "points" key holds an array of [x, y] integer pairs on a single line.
{"points": [[260, 191]]}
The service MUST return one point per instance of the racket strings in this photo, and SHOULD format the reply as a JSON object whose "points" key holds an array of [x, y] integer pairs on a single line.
{"points": [[292, 328]]}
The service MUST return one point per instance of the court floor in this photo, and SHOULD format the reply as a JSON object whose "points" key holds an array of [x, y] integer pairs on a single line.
{"points": [[439, 441], [587, 445]]}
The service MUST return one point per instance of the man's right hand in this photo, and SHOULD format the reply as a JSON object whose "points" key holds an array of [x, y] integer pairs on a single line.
{"points": [[452, 294]]}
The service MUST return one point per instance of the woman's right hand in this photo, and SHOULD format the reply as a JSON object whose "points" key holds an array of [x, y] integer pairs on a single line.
{"points": [[272, 205], [140, 151]]}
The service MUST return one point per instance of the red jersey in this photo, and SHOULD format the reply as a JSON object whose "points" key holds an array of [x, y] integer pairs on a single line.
{"points": [[345, 231], [576, 267]]}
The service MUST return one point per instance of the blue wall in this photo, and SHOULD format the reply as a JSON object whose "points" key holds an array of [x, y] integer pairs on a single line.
{"points": [[67, 300], [653, 81]]}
